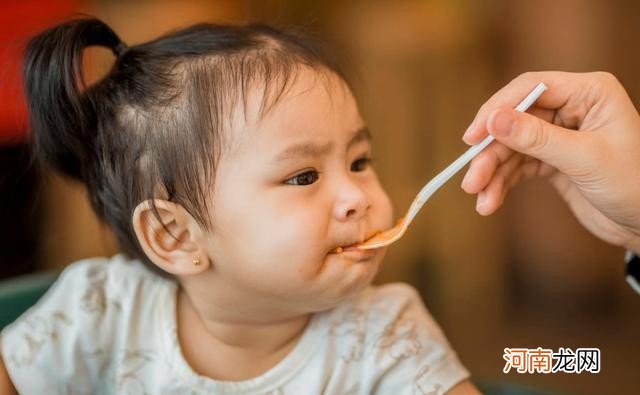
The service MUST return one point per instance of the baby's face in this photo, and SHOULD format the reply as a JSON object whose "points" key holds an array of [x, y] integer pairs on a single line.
{"points": [[292, 187]]}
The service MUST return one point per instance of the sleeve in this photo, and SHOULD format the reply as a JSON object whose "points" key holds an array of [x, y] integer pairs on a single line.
{"points": [[632, 275], [410, 353], [54, 346]]}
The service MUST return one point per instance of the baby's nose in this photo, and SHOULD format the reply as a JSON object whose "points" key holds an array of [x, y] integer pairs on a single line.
{"points": [[352, 203]]}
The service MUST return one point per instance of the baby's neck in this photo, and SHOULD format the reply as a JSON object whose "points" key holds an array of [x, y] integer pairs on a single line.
{"points": [[232, 349]]}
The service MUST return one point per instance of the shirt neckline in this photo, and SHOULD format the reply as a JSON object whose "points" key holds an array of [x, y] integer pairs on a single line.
{"points": [[271, 380]]}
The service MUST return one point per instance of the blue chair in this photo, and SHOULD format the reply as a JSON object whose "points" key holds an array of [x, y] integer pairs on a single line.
{"points": [[502, 388], [19, 293]]}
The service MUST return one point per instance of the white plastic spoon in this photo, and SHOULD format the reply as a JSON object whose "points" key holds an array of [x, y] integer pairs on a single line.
{"points": [[394, 234]]}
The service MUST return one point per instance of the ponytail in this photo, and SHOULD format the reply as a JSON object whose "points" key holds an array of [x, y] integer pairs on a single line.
{"points": [[62, 113]]}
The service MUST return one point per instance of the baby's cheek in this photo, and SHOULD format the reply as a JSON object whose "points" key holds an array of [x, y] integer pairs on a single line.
{"points": [[300, 245], [295, 255], [385, 210], [310, 268]]}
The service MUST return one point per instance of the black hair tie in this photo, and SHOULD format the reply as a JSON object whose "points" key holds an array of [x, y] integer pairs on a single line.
{"points": [[119, 49]]}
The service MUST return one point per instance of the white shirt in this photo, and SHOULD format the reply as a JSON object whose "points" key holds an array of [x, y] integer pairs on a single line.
{"points": [[108, 326]]}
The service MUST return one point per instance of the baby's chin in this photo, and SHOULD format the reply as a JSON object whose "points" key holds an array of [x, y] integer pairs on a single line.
{"points": [[335, 301], [350, 279]]}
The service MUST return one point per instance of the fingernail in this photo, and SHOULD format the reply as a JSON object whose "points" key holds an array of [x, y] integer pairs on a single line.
{"points": [[482, 199], [502, 123]]}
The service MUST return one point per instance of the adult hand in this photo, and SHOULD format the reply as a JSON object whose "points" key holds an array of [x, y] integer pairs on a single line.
{"points": [[583, 134]]}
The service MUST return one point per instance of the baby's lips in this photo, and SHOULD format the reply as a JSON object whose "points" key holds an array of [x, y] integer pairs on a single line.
{"points": [[338, 250], [354, 246], [350, 247]]}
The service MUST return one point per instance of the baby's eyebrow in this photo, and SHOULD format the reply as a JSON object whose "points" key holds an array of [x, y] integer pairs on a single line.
{"points": [[309, 149]]}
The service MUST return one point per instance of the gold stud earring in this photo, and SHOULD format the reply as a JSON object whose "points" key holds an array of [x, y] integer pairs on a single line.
{"points": [[196, 261]]}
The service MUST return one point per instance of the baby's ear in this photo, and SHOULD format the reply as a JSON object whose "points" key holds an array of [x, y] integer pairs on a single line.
{"points": [[174, 241]]}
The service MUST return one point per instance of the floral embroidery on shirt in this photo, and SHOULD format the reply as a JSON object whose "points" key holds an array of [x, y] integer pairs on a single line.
{"points": [[399, 339], [423, 386], [128, 379], [350, 328], [37, 331], [94, 299]]}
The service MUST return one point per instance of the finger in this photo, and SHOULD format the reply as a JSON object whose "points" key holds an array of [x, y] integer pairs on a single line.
{"points": [[538, 168], [525, 170], [566, 91], [483, 166], [542, 140], [546, 114], [507, 177], [493, 195], [542, 113]]}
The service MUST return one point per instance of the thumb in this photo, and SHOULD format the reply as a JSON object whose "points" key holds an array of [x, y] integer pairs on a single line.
{"points": [[530, 135]]}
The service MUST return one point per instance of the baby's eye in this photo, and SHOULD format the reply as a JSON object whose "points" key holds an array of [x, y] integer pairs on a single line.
{"points": [[306, 178], [361, 164]]}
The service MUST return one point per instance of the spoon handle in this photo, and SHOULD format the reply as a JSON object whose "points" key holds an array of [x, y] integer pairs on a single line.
{"points": [[444, 176]]}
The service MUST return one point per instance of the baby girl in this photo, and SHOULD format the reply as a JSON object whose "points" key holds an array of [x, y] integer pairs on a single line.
{"points": [[234, 168]]}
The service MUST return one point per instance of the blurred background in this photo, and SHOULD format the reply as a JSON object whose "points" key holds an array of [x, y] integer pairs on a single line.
{"points": [[528, 276]]}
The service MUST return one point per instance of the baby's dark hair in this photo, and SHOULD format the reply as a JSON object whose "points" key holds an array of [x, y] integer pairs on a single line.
{"points": [[151, 127]]}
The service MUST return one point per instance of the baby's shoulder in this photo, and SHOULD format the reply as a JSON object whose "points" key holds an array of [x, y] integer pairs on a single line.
{"points": [[91, 307], [96, 288], [117, 270], [117, 279], [98, 292], [386, 335]]}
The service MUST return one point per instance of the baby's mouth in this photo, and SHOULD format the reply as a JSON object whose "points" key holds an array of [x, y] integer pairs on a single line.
{"points": [[354, 246], [339, 250]]}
